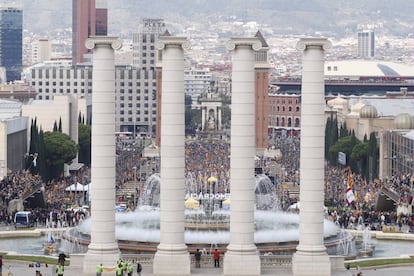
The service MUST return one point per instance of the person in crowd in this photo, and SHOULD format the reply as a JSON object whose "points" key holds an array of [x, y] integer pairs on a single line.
{"points": [[216, 257], [99, 270], [197, 257]]}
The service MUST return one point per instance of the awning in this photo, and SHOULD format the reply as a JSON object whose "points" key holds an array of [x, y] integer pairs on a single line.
{"points": [[76, 187]]}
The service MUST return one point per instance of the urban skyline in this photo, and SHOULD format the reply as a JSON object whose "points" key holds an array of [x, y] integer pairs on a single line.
{"points": [[208, 29]]}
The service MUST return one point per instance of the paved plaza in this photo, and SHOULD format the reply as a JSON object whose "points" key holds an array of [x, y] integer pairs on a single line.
{"points": [[23, 269]]}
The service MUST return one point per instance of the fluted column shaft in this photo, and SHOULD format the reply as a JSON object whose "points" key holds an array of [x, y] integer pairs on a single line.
{"points": [[241, 257], [172, 257], [103, 246], [311, 239]]}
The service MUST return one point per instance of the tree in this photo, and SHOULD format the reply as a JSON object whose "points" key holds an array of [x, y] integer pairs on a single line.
{"points": [[359, 155], [60, 149], [373, 151], [60, 125], [84, 138]]}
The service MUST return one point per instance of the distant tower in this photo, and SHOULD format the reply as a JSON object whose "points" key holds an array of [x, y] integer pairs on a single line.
{"points": [[11, 42], [143, 51], [261, 71], [89, 18], [41, 50], [366, 44]]}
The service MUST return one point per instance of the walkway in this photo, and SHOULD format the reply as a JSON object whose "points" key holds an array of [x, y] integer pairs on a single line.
{"points": [[23, 269]]}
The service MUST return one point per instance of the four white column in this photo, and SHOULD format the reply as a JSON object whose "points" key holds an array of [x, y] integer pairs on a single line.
{"points": [[311, 257], [242, 257], [172, 257], [103, 247]]}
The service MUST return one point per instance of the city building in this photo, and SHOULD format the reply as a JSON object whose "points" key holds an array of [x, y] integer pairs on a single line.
{"points": [[357, 77], [41, 50], [284, 112], [135, 91], [397, 149], [366, 44], [89, 18], [261, 71], [52, 78], [196, 83], [17, 90], [13, 137], [143, 43], [11, 42]]}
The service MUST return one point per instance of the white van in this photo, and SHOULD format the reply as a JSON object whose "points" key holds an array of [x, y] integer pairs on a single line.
{"points": [[23, 219]]}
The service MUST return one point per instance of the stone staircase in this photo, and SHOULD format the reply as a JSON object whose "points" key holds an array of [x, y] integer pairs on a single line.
{"points": [[127, 190]]}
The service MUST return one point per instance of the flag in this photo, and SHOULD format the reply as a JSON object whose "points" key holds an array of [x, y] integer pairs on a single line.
{"points": [[350, 180], [349, 192], [349, 195]]}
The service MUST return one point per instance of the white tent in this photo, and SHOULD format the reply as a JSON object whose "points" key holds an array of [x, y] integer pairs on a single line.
{"points": [[76, 187]]}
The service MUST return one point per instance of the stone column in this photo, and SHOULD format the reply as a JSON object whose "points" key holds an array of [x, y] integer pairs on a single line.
{"points": [[242, 257], [203, 117], [311, 257], [103, 247], [172, 257]]}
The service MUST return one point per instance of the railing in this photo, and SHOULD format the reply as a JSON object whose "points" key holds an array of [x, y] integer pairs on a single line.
{"points": [[268, 261]]}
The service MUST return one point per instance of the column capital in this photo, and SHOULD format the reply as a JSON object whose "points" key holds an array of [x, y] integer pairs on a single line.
{"points": [[234, 42], [313, 42], [177, 41], [93, 41]]}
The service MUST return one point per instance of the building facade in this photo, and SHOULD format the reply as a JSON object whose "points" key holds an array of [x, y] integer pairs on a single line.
{"points": [[135, 91], [196, 83], [143, 43], [41, 51], [11, 42], [284, 111], [261, 89], [89, 18], [366, 44]]}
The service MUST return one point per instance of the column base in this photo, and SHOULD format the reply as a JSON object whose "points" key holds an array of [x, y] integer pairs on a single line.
{"points": [[108, 258], [237, 263], [169, 263], [311, 264]]}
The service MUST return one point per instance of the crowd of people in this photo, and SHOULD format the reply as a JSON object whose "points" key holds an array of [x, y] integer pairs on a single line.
{"points": [[206, 158]]}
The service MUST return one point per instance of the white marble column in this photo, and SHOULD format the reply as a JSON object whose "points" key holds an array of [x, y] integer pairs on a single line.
{"points": [[103, 247], [241, 257], [172, 257], [311, 257]]}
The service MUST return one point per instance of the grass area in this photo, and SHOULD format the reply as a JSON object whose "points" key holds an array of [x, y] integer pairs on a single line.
{"points": [[381, 262], [33, 259]]}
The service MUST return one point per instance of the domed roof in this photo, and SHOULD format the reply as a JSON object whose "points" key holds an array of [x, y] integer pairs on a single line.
{"points": [[403, 121], [356, 108], [368, 111], [337, 102]]}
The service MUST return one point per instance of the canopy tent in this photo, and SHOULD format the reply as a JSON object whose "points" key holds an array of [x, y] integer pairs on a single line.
{"points": [[76, 187], [212, 179], [191, 203]]}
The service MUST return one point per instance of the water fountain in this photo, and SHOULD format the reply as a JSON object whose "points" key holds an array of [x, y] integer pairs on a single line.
{"points": [[207, 219], [367, 249]]}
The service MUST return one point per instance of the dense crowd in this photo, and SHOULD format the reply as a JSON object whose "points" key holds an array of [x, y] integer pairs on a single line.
{"points": [[207, 159]]}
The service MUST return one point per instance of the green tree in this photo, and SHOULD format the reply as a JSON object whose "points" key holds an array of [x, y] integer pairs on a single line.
{"points": [[59, 149], [373, 151], [359, 155], [343, 131], [84, 137], [60, 125], [344, 145]]}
